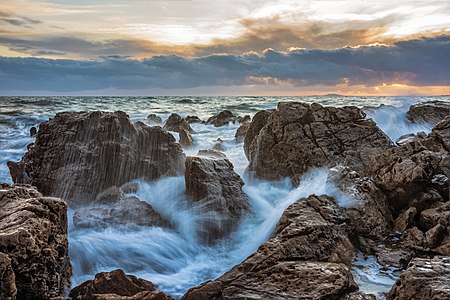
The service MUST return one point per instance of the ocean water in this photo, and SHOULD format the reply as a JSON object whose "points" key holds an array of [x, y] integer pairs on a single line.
{"points": [[174, 259]]}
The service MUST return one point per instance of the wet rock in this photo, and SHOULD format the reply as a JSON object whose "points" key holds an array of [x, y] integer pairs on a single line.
{"points": [[306, 258], [71, 147], [431, 112], [410, 137], [33, 235], [215, 190], [8, 290], [423, 279], [244, 119], [241, 132], [33, 131], [258, 122], [154, 119], [193, 119], [359, 296], [405, 219], [176, 123], [221, 119], [435, 235], [300, 136], [186, 139], [439, 213], [116, 285]]}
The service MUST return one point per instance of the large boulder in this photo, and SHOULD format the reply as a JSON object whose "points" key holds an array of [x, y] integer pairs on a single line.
{"points": [[116, 285], [423, 279], [78, 155], [438, 141], [308, 257], [221, 119], [215, 191], [431, 112], [33, 242], [300, 136], [259, 120], [176, 123]]}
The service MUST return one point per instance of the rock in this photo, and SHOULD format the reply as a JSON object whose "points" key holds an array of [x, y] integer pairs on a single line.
{"points": [[402, 173], [117, 285], [368, 210], [241, 132], [186, 139], [154, 119], [128, 210], [33, 131], [359, 296], [258, 122], [176, 123], [431, 217], [215, 190], [221, 119], [435, 235], [71, 147], [244, 119], [405, 219], [431, 112], [8, 290], [410, 137], [423, 279], [306, 258], [33, 235], [193, 119], [299, 136]]}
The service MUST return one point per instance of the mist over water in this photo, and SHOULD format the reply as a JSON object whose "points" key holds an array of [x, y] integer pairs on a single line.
{"points": [[173, 258]]}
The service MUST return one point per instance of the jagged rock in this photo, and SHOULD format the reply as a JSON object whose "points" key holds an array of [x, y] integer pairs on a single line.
{"points": [[221, 119], [216, 191], [423, 279], [368, 211], [176, 123], [258, 122], [193, 119], [410, 137], [431, 112], [241, 132], [307, 258], [154, 119], [71, 147], [402, 173], [33, 131], [405, 219], [359, 296], [439, 213], [300, 136], [33, 234], [244, 119], [186, 139], [435, 235], [116, 285], [8, 290]]}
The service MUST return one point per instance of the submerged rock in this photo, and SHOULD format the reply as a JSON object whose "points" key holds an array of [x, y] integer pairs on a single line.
{"points": [[176, 123], [78, 155], [307, 258], [116, 285], [33, 244], [431, 112], [410, 137], [193, 119], [215, 190], [221, 119], [423, 279], [299, 136], [154, 119]]}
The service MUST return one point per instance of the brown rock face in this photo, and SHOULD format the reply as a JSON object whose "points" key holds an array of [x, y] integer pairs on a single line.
{"points": [[176, 123], [221, 119], [116, 285], [78, 155], [299, 136], [259, 120], [8, 290], [423, 279], [241, 132], [306, 258], [216, 191], [431, 112], [33, 240], [186, 139]]}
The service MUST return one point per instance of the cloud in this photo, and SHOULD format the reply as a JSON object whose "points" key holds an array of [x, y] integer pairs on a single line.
{"points": [[16, 20], [416, 62]]}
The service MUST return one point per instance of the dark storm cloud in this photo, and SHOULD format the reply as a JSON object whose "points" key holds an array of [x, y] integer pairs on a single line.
{"points": [[16, 20], [416, 62]]}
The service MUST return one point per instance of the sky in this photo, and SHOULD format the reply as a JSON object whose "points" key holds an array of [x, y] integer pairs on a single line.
{"points": [[224, 47]]}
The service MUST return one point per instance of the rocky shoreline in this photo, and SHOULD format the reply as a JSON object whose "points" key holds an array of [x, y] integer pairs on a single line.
{"points": [[86, 160]]}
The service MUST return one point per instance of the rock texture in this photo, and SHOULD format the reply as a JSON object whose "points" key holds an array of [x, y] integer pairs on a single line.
{"points": [[307, 258], [154, 119], [221, 119], [116, 285], [33, 244], [215, 190], [71, 147], [431, 112], [259, 120], [241, 132], [186, 139], [299, 136], [176, 123], [424, 279], [193, 119]]}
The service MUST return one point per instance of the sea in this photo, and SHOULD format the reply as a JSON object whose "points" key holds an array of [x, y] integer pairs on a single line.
{"points": [[173, 259]]}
